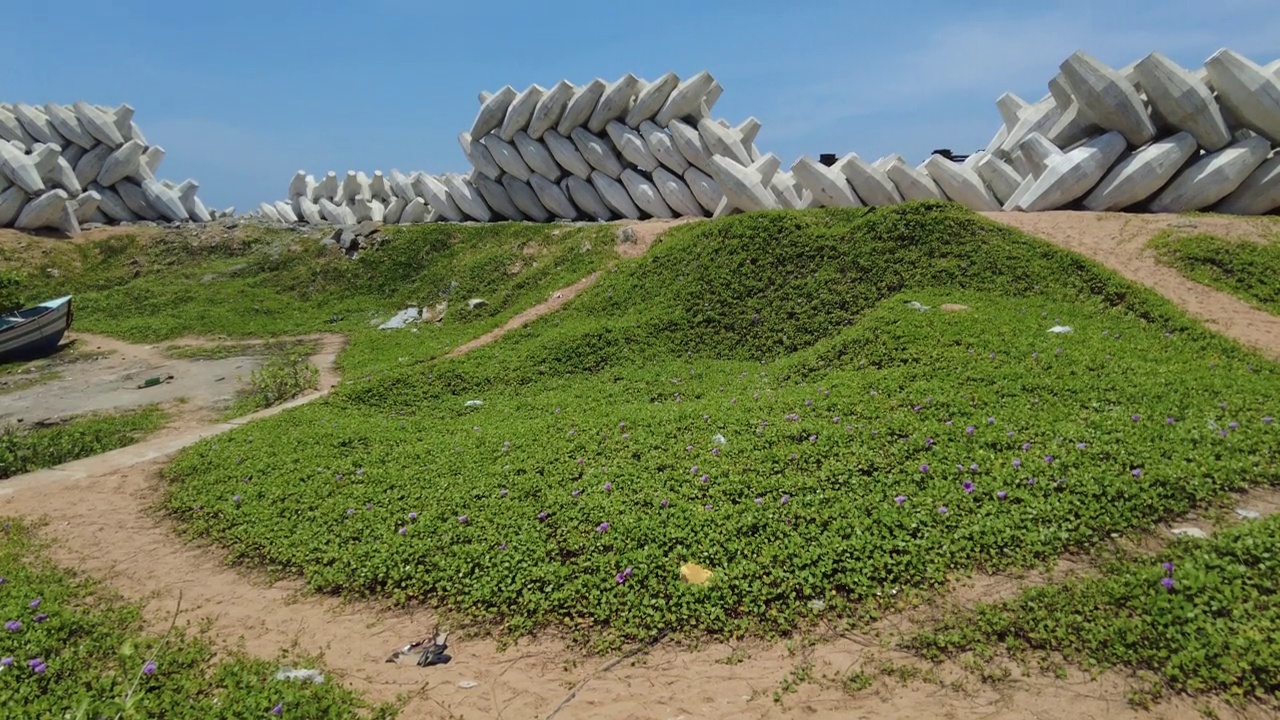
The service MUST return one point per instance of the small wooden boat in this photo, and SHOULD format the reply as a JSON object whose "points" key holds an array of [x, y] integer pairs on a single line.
{"points": [[34, 332]]}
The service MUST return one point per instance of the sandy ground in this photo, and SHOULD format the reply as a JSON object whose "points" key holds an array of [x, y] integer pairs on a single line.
{"points": [[105, 525]]}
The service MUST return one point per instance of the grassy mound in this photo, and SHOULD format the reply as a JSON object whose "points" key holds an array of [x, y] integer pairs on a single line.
{"points": [[756, 396], [1204, 616], [70, 648], [1247, 270], [23, 449]]}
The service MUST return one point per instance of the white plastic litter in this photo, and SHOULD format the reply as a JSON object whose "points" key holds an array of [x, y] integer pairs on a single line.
{"points": [[1248, 514], [917, 306], [468, 684], [1191, 532], [719, 439], [401, 319], [1060, 329], [474, 403], [300, 674]]}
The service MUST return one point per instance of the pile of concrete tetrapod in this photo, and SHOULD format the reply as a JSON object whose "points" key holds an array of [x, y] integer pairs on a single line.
{"points": [[65, 165]]}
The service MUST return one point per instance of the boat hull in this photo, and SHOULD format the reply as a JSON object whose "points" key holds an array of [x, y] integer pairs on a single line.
{"points": [[38, 335]]}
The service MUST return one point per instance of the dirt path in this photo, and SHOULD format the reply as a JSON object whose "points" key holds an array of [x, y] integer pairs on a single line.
{"points": [[102, 521], [1118, 240]]}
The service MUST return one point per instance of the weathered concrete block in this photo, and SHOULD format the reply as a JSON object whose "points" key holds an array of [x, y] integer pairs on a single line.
{"points": [[395, 210], [704, 189], [677, 195], [614, 195], [415, 211], [723, 141], [48, 210], [298, 185], [1212, 177], [402, 188], [124, 162], [747, 130], [308, 211], [86, 206], [268, 212], [169, 205], [960, 184], [378, 186], [493, 111], [829, 189], [583, 103], [685, 100], [998, 176], [437, 195], [38, 125], [663, 147], [525, 199], [521, 112], [187, 196], [478, 156], [329, 187], [11, 129], [599, 153], [20, 170], [101, 126], [1252, 95], [336, 214], [911, 183], [12, 201], [646, 195], [587, 198], [1142, 174], [691, 145], [62, 175], [537, 156], [1258, 194], [743, 189], [1036, 119], [1074, 174], [122, 118], [507, 156], [45, 158], [72, 154], [132, 195], [1072, 127], [566, 154], [1107, 99], [550, 109], [553, 198], [614, 102], [68, 125], [1039, 153], [631, 145], [467, 197], [285, 211], [1011, 108], [111, 204], [651, 99], [1182, 101]]}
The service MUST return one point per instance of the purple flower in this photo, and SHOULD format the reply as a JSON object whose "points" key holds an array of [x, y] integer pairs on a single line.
{"points": [[402, 530], [665, 502], [278, 710], [622, 576], [502, 492], [1169, 420], [34, 604], [351, 511], [1168, 567], [462, 519], [973, 468], [916, 408], [236, 499], [1081, 446], [968, 487], [13, 626], [1223, 433], [928, 442], [694, 469], [942, 510], [1031, 481], [1026, 446], [1017, 463], [413, 516], [759, 501], [688, 448], [969, 430], [1137, 472], [808, 403], [793, 417], [786, 499], [924, 468], [1009, 434], [1268, 420], [581, 461], [576, 492], [1233, 425], [149, 669], [3, 581], [1048, 459], [900, 499], [1137, 418], [706, 479], [608, 487], [40, 618], [542, 516], [602, 527], [708, 507], [836, 420], [1168, 583], [37, 665], [369, 506], [947, 423], [6, 662], [991, 421], [1002, 495]]}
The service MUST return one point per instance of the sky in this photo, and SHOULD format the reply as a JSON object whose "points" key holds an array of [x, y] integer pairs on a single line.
{"points": [[243, 94]]}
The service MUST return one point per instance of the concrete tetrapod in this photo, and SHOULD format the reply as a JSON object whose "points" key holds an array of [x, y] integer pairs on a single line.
{"points": [[112, 205], [960, 184], [467, 197], [678, 196], [646, 195], [686, 99], [1071, 176], [537, 156], [1258, 194], [663, 147], [69, 126], [829, 188], [1212, 177], [1038, 118], [435, 195], [525, 199], [12, 201], [566, 154], [598, 153], [704, 189], [20, 170], [1107, 99], [1252, 95], [580, 106], [478, 156], [632, 146], [587, 198], [137, 201], [1182, 101], [86, 206], [507, 156], [493, 111], [550, 109], [521, 112], [122, 163], [167, 204], [744, 188], [553, 198], [100, 125], [912, 184], [50, 210], [1142, 174], [723, 141], [1038, 153], [651, 99], [691, 145], [1002, 179], [11, 129], [614, 102], [38, 125], [870, 184], [615, 196]]}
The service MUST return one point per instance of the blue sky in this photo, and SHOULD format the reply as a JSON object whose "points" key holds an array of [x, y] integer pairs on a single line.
{"points": [[242, 94]]}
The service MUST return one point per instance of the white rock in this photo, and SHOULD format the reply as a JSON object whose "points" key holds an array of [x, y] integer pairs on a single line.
{"points": [[507, 156], [651, 99], [614, 195], [583, 103], [961, 184], [646, 195], [520, 113], [1212, 177], [677, 195], [492, 112], [1074, 174], [1142, 174], [536, 156], [566, 154], [550, 109], [587, 198], [614, 102], [269, 212], [598, 153], [1191, 532], [632, 146]]}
